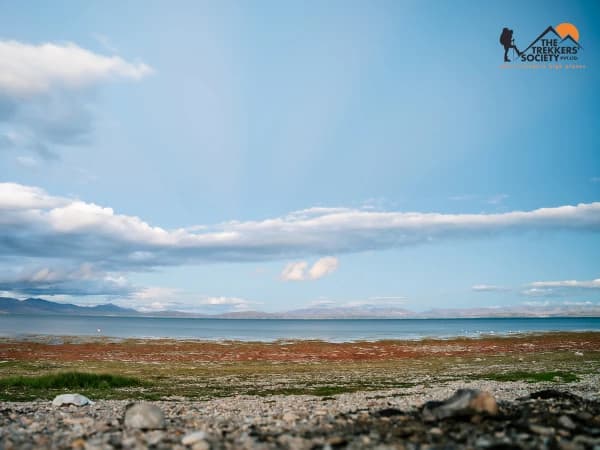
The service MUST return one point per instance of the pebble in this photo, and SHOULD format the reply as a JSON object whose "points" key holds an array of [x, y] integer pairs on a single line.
{"points": [[290, 417], [201, 445], [464, 402], [144, 416], [566, 422], [544, 431], [194, 437], [71, 399]]}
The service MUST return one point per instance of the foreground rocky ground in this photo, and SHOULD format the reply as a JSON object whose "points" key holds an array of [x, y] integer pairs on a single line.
{"points": [[303, 395], [544, 415]]}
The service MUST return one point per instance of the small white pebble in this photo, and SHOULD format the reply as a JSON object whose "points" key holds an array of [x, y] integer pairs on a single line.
{"points": [[194, 437]]}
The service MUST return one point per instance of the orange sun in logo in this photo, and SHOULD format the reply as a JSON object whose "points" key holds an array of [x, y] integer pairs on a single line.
{"points": [[567, 29]]}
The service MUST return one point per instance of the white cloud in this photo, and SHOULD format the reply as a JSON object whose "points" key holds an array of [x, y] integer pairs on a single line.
{"points": [[155, 293], [538, 292], [45, 105], [297, 271], [322, 267], [84, 280], [591, 284], [236, 302], [222, 304], [27, 69], [156, 298], [37, 225], [537, 303], [294, 271], [15, 196], [488, 288]]}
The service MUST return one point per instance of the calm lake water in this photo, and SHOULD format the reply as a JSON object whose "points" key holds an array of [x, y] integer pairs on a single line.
{"points": [[274, 329]]}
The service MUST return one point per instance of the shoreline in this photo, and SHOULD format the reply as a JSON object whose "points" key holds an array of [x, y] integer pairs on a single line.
{"points": [[102, 348], [57, 339], [201, 369]]}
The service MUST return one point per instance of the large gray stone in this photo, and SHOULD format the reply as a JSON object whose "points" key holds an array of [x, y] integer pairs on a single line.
{"points": [[144, 416]]}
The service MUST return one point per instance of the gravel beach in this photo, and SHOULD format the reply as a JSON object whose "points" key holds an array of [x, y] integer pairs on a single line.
{"points": [[564, 417]]}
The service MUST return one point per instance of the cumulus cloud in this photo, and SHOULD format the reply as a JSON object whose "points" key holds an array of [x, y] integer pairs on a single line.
{"points": [[27, 70], [297, 271], [488, 288], [43, 101], [322, 267], [294, 271]]}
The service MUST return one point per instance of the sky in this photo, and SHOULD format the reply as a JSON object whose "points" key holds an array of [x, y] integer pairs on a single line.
{"points": [[226, 156]]}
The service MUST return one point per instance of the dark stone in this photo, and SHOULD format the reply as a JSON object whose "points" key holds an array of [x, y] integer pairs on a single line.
{"points": [[553, 394], [389, 412]]}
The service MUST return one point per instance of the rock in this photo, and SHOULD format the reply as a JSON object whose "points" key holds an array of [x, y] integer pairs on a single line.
{"points": [[192, 438], [154, 437], [389, 412], [566, 422], [290, 417], [544, 431], [71, 399], [553, 394], [144, 416], [464, 402], [337, 441], [201, 445]]}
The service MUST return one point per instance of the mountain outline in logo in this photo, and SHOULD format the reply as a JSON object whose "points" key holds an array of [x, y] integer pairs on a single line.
{"points": [[553, 45]]}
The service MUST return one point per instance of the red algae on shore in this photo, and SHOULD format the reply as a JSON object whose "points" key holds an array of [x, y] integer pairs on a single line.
{"points": [[295, 351]]}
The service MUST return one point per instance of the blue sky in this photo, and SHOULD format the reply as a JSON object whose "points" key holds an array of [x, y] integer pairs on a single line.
{"points": [[195, 115]]}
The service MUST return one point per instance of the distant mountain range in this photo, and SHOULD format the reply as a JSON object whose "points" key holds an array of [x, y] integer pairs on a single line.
{"points": [[40, 306]]}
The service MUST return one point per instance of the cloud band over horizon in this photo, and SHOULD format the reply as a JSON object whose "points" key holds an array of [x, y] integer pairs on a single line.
{"points": [[35, 224]]}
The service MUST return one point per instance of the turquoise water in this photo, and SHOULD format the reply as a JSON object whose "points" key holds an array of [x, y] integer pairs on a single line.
{"points": [[275, 329]]}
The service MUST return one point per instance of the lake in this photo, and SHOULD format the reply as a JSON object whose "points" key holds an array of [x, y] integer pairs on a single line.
{"points": [[333, 330]]}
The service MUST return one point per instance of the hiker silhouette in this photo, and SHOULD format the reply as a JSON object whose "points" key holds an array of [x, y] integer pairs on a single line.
{"points": [[507, 41]]}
